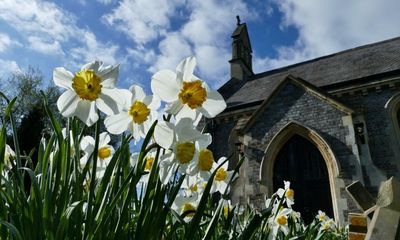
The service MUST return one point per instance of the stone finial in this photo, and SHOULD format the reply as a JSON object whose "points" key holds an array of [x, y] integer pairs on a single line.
{"points": [[237, 20]]}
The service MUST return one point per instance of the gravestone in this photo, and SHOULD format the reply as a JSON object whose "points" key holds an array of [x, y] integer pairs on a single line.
{"points": [[385, 222], [386, 218], [362, 197]]}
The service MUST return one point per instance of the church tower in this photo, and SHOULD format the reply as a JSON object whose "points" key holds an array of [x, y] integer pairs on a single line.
{"points": [[241, 62]]}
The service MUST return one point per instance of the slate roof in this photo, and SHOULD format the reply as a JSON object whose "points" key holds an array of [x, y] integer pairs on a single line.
{"points": [[353, 64]]}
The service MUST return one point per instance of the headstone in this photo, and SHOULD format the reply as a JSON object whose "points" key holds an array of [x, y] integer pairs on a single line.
{"points": [[357, 226], [385, 222], [361, 196], [384, 225]]}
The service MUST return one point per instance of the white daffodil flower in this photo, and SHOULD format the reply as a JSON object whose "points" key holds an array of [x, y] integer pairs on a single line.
{"points": [[288, 192], [104, 154], [192, 185], [280, 222], [328, 224], [222, 177], [181, 140], [185, 206], [149, 160], [186, 95], [90, 89], [203, 160], [137, 115], [9, 156], [227, 207], [321, 216]]}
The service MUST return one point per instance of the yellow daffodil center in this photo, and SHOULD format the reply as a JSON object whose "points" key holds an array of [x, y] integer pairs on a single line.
{"points": [[149, 163], [104, 152], [87, 84], [188, 207], [290, 194], [281, 220], [139, 112], [226, 211], [221, 174], [193, 94], [185, 152], [322, 217], [194, 188], [206, 160]]}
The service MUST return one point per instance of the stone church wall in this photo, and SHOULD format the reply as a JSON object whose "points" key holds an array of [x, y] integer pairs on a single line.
{"points": [[295, 104], [379, 134]]}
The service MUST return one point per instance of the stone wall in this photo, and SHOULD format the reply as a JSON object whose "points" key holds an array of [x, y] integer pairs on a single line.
{"points": [[293, 103]]}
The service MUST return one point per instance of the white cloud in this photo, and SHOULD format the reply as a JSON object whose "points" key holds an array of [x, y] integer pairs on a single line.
{"points": [[6, 42], [330, 26], [46, 47], [203, 30], [142, 20], [106, 2], [8, 67], [173, 48], [94, 50], [49, 29]]}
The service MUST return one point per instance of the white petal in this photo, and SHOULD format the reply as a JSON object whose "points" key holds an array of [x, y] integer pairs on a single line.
{"points": [[117, 124], [104, 139], [63, 78], [152, 102], [95, 65], [87, 144], [137, 93], [213, 105], [186, 112], [110, 102], [67, 103], [86, 112], [165, 85], [164, 134], [185, 130], [84, 160], [133, 159], [108, 75], [204, 140], [184, 70], [173, 107]]}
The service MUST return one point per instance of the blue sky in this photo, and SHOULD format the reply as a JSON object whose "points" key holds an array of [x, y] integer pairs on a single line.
{"points": [[144, 36]]}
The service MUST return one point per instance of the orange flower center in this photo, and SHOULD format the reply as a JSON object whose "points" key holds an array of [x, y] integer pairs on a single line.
{"points": [[193, 94]]}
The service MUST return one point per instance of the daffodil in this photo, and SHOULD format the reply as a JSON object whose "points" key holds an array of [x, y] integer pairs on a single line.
{"points": [[137, 115], [92, 88], [9, 156], [104, 154], [280, 222], [181, 140], [186, 95], [203, 159], [328, 224], [185, 206], [321, 216], [148, 163], [222, 177], [193, 185], [287, 192]]}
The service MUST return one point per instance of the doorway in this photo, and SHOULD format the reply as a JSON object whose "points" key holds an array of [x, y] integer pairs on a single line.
{"points": [[300, 162]]}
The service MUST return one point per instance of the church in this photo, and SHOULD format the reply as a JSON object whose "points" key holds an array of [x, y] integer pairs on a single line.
{"points": [[320, 124]]}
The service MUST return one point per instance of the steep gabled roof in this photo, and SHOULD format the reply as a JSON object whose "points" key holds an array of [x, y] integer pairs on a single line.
{"points": [[346, 66]]}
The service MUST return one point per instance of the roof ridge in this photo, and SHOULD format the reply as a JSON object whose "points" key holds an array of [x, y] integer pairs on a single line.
{"points": [[287, 67]]}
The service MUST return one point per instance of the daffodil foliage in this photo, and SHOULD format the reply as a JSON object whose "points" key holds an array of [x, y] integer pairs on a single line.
{"points": [[84, 186]]}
